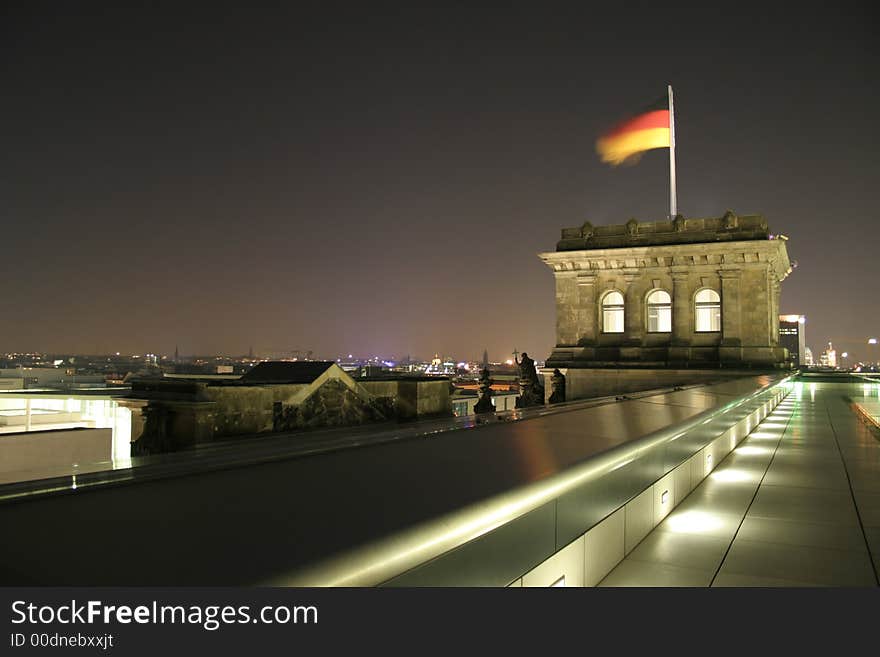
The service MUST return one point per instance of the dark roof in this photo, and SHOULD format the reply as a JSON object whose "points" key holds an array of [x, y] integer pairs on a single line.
{"points": [[287, 372]]}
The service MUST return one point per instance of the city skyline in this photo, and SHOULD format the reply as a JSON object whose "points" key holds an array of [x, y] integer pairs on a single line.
{"points": [[383, 184]]}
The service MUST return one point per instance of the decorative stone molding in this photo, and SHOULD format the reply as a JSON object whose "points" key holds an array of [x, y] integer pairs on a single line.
{"points": [[632, 228], [710, 257], [587, 279]]}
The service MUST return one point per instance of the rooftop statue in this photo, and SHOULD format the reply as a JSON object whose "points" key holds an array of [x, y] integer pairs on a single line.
{"points": [[531, 390]]}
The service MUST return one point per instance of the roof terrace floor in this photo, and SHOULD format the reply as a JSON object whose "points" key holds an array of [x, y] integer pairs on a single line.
{"points": [[796, 504]]}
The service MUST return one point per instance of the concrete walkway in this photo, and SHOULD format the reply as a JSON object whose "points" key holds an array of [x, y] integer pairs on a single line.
{"points": [[796, 504]]}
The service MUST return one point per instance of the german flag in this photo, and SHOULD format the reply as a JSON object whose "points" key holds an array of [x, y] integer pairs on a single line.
{"points": [[642, 132]]}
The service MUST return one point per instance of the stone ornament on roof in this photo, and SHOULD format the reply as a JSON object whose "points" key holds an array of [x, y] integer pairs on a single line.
{"points": [[678, 224], [729, 221], [632, 227], [531, 390], [557, 381], [587, 230], [484, 404]]}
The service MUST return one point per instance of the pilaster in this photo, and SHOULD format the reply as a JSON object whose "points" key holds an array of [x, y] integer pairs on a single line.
{"points": [[731, 335], [681, 308], [587, 314], [566, 308], [633, 313]]}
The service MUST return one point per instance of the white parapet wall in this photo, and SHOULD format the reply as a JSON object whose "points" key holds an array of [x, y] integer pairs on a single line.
{"points": [[589, 558], [33, 455]]}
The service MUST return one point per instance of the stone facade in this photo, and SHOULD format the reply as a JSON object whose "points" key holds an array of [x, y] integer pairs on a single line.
{"points": [[173, 414], [179, 414], [332, 405], [410, 398], [735, 257]]}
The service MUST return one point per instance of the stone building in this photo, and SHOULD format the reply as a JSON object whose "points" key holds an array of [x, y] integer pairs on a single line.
{"points": [[679, 295], [173, 413]]}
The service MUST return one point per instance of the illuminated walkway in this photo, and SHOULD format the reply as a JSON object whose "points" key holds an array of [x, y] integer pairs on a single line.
{"points": [[797, 504]]}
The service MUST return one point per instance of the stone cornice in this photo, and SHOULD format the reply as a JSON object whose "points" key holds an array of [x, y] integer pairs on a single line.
{"points": [[681, 258]]}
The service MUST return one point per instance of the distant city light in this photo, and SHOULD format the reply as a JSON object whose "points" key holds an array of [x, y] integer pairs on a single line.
{"points": [[508, 362], [872, 341]]}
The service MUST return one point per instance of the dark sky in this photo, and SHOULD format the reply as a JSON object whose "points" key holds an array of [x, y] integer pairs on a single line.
{"points": [[379, 180]]}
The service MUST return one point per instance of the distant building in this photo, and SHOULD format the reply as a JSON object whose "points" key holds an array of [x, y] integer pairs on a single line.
{"points": [[828, 358], [372, 369], [51, 377], [441, 367], [808, 357], [791, 336]]}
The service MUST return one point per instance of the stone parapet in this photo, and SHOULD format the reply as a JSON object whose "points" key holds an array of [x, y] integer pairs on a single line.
{"points": [[727, 228], [593, 382]]}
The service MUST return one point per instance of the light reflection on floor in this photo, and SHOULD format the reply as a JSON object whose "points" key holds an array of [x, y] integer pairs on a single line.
{"points": [[804, 535]]}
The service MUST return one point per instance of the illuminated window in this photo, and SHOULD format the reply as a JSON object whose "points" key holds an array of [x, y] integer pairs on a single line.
{"points": [[659, 312], [612, 313], [707, 311]]}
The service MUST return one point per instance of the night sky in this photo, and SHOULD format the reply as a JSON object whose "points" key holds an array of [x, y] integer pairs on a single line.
{"points": [[378, 181]]}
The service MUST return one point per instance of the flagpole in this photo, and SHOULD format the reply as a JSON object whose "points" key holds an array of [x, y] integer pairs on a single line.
{"points": [[673, 209]]}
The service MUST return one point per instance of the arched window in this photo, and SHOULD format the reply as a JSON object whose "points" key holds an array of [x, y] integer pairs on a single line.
{"points": [[707, 311], [659, 312], [612, 313]]}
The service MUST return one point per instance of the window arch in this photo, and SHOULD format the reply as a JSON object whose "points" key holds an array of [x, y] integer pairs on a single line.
{"points": [[659, 312], [612, 312], [707, 311]]}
